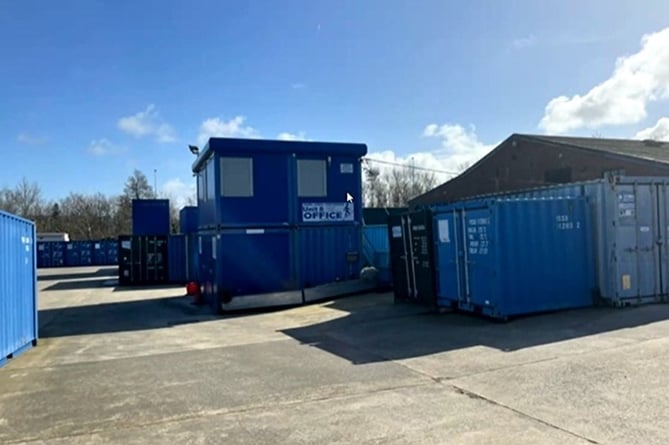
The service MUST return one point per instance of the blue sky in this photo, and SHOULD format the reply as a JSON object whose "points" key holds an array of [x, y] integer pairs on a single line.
{"points": [[91, 90]]}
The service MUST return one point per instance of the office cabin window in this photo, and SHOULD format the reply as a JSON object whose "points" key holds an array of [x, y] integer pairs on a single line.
{"points": [[237, 177], [311, 178]]}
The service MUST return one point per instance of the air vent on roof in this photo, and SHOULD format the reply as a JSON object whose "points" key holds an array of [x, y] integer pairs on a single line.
{"points": [[652, 143]]}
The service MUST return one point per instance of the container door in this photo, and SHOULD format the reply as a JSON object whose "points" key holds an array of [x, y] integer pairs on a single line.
{"points": [[399, 257], [479, 276], [447, 256], [663, 237], [422, 266], [636, 256]]}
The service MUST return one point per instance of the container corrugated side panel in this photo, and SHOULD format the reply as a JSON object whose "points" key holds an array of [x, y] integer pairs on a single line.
{"points": [[251, 261], [188, 220], [99, 253], [506, 258], [177, 261], [328, 254], [18, 288], [545, 263], [150, 217], [376, 246], [594, 191], [192, 246]]}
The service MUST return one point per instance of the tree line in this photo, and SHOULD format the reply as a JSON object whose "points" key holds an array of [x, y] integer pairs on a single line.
{"points": [[82, 216], [98, 216], [395, 187]]}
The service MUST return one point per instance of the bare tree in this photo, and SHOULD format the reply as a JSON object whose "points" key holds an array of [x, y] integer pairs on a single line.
{"points": [[463, 166], [395, 187], [137, 187], [24, 200]]}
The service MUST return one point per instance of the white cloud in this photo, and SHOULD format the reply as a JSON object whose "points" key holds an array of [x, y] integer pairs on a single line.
{"points": [[101, 147], [30, 139], [459, 147], [658, 132], [524, 42], [234, 128], [285, 136], [621, 99], [147, 123], [178, 191]]}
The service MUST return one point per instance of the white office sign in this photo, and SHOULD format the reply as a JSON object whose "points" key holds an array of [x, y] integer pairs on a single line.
{"points": [[327, 211]]}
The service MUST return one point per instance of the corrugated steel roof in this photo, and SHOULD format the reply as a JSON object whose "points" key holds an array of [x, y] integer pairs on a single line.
{"points": [[643, 149]]}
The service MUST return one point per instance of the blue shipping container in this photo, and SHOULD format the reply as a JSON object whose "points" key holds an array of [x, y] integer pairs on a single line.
{"points": [[100, 253], [112, 252], [193, 244], [18, 286], [51, 254], [188, 220], [511, 257], [151, 217], [629, 216], [376, 248], [310, 183], [177, 259], [79, 253]]}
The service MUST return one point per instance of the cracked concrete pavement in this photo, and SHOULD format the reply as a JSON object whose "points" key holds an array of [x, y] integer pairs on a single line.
{"points": [[144, 366]]}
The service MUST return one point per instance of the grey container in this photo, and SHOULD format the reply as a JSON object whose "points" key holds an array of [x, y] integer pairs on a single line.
{"points": [[631, 232]]}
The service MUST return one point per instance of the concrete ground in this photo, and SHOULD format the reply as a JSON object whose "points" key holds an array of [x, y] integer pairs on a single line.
{"points": [[146, 367]]}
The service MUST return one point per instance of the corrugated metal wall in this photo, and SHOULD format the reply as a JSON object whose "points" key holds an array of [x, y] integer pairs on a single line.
{"points": [[151, 217], [376, 248], [18, 289], [177, 259], [511, 257]]}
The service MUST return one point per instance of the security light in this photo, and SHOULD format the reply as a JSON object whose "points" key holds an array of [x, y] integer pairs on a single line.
{"points": [[194, 149]]}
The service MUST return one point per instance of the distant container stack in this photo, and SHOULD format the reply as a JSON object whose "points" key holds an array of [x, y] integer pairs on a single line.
{"points": [[51, 254], [150, 217], [503, 258], [279, 222], [79, 254], [18, 286], [143, 260]]}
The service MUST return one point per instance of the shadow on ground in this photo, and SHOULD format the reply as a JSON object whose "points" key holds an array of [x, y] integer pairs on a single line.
{"points": [[111, 271], [388, 331], [121, 316]]}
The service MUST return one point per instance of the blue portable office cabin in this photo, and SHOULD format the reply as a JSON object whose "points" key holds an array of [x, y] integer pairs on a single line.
{"points": [[277, 220]]}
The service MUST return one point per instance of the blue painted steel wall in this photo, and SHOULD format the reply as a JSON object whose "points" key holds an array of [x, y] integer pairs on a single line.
{"points": [[100, 253], [511, 257], [43, 254], [18, 287], [188, 220], [376, 247], [248, 262], [112, 251], [177, 259], [79, 253], [150, 217], [323, 254], [338, 186], [192, 245], [275, 202], [51, 254]]}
